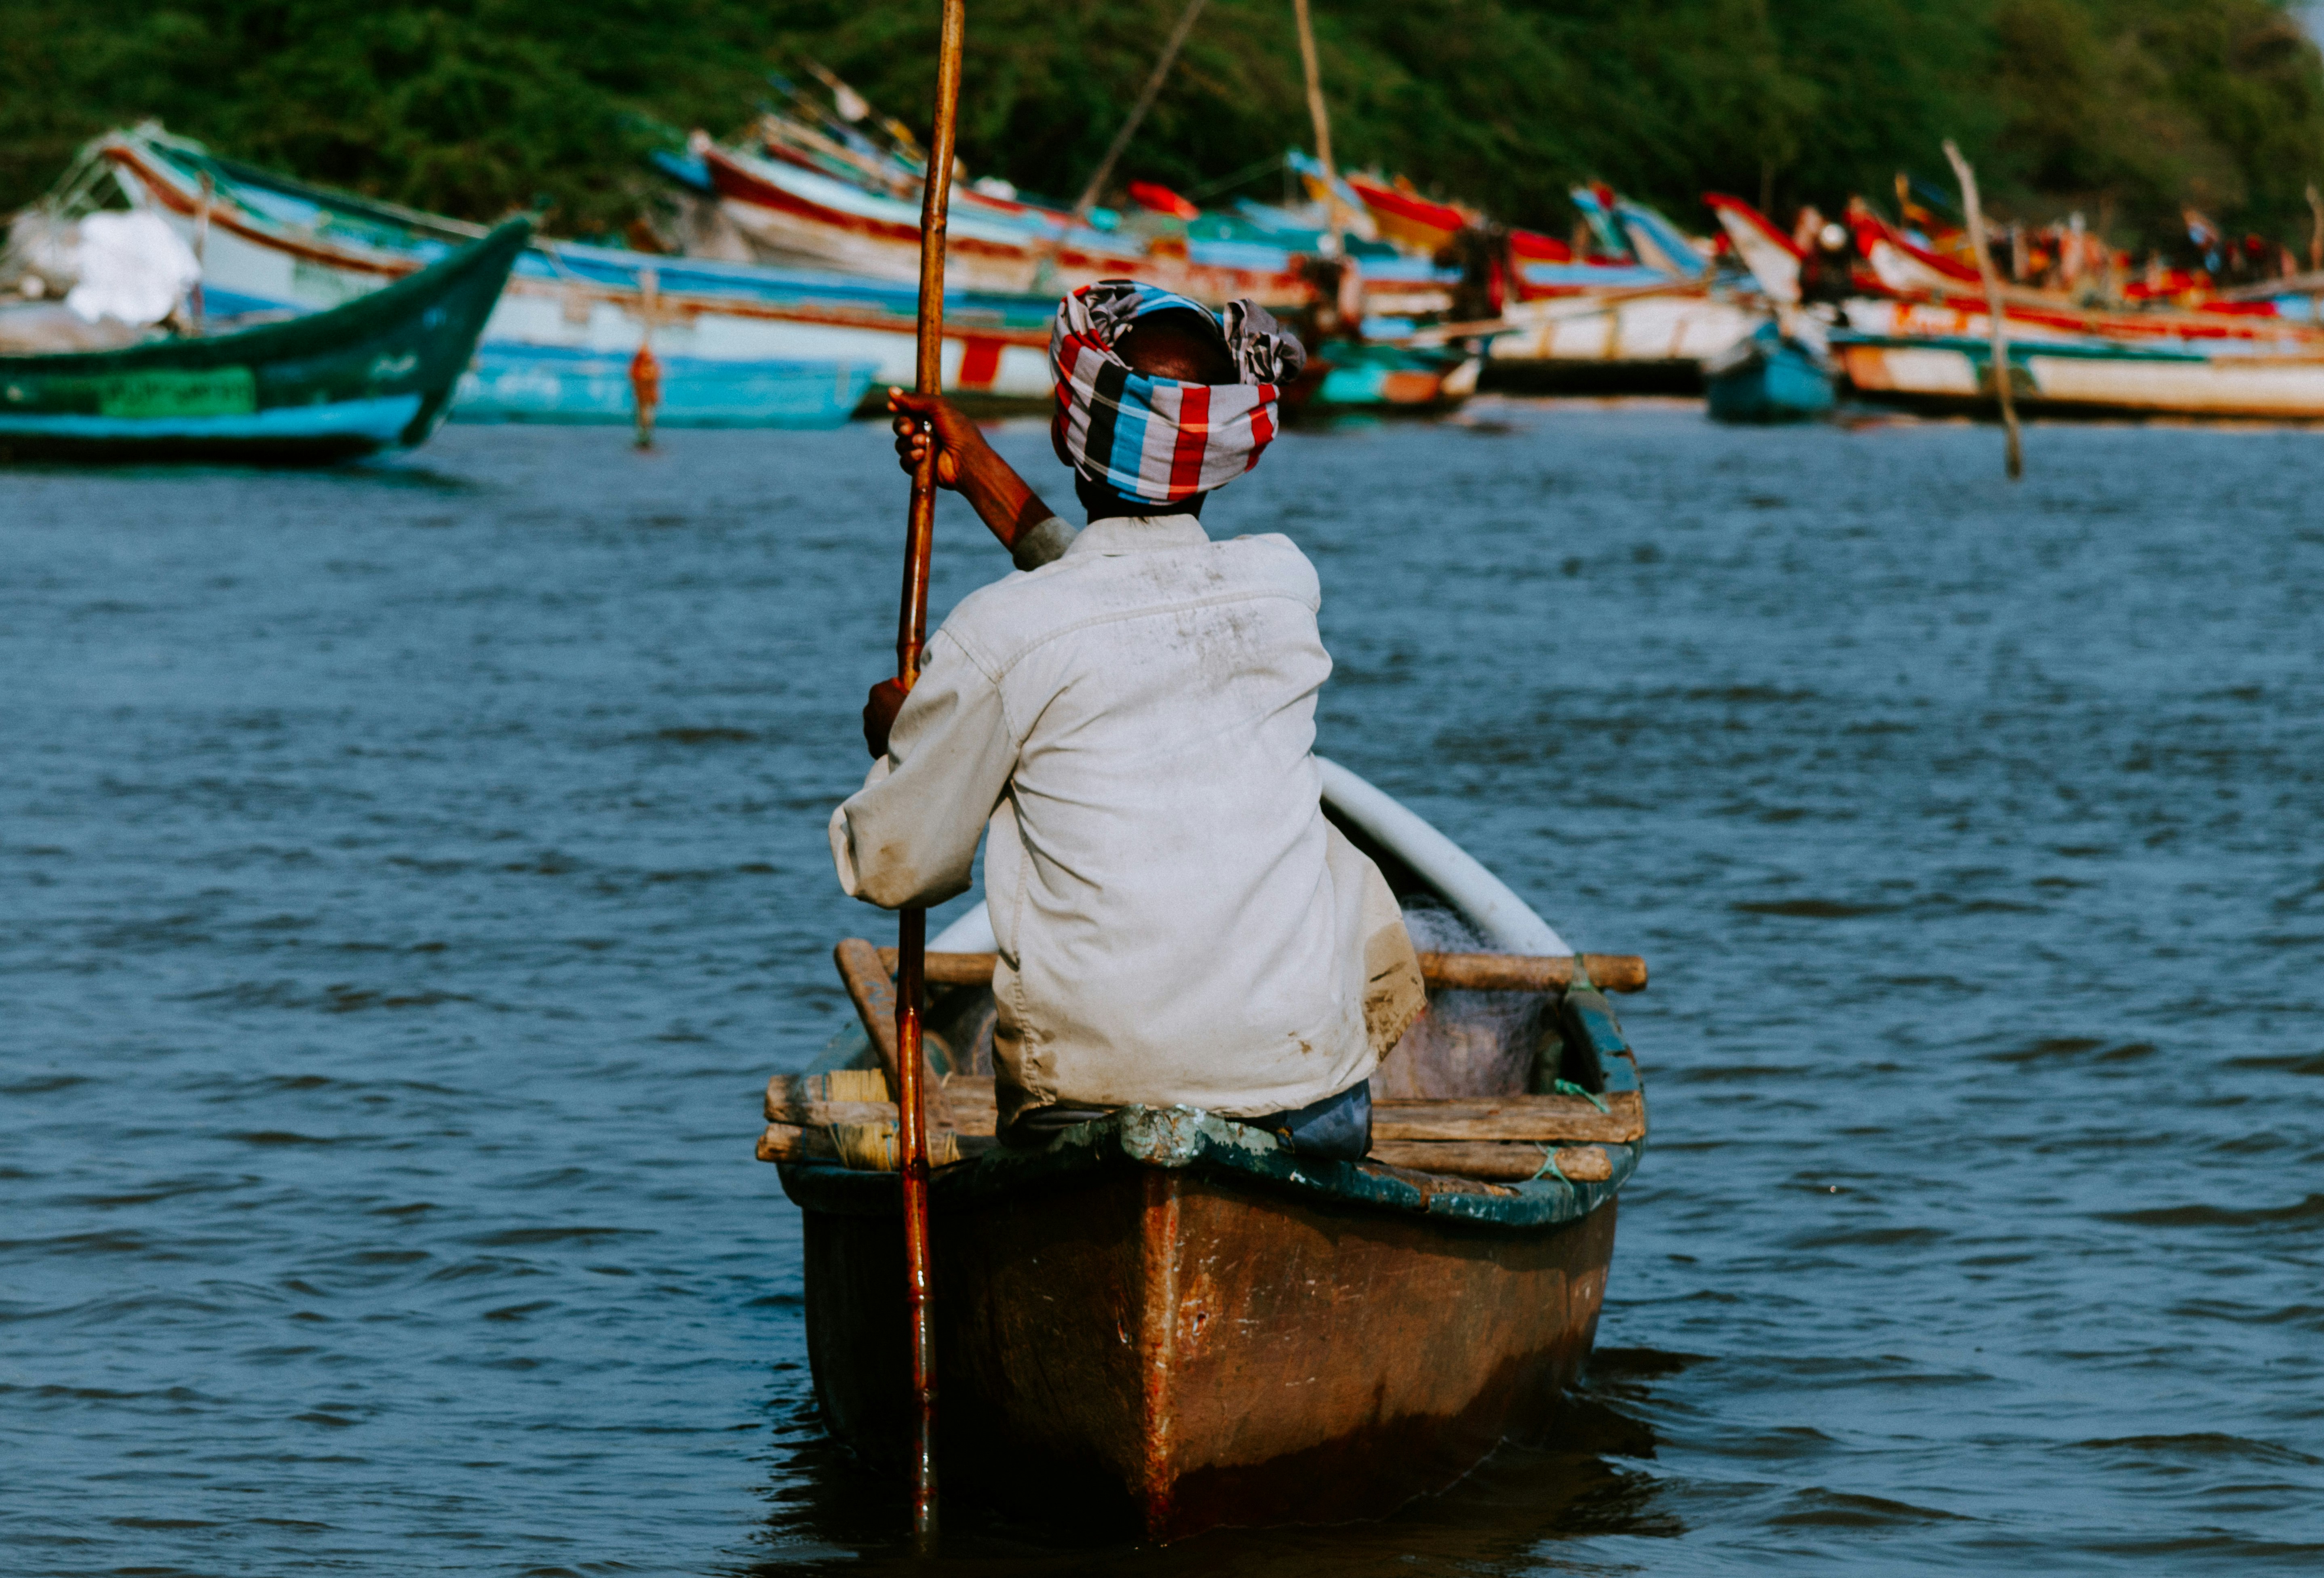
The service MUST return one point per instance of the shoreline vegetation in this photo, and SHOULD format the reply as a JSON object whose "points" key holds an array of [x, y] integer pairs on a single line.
{"points": [[2125, 110]]}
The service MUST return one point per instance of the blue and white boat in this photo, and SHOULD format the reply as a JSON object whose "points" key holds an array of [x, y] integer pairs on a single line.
{"points": [[738, 343]]}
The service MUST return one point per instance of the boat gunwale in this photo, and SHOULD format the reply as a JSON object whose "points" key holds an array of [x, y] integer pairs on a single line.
{"points": [[351, 321]]}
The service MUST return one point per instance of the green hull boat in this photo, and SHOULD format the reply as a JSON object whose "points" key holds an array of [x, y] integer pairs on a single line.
{"points": [[376, 374]]}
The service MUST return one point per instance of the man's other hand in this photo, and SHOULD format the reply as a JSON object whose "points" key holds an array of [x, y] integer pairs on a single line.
{"points": [[880, 709], [956, 435]]}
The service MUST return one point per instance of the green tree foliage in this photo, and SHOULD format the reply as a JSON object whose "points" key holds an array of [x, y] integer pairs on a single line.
{"points": [[2125, 108]]}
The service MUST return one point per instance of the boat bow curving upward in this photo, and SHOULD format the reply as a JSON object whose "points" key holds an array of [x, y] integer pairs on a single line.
{"points": [[376, 373]]}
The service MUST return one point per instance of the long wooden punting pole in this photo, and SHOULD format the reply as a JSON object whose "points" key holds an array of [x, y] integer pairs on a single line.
{"points": [[912, 925], [2001, 380]]}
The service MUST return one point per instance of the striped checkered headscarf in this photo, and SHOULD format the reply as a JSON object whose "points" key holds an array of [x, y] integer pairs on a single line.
{"points": [[1156, 439]]}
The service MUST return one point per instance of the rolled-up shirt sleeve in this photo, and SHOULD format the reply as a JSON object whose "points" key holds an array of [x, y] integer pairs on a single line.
{"points": [[1041, 542], [908, 838]]}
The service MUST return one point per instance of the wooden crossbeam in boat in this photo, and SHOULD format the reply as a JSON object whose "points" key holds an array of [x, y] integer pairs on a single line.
{"points": [[1453, 971], [817, 1099], [869, 1147], [1457, 1119], [812, 1101]]}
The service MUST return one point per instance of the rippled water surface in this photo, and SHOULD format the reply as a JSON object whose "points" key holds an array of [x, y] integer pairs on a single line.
{"points": [[412, 874]]}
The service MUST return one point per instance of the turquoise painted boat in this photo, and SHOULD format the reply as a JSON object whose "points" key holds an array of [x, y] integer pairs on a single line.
{"points": [[543, 383], [376, 374], [1345, 377], [1768, 376]]}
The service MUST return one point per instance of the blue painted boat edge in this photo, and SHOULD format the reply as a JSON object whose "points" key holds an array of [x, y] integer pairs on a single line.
{"points": [[566, 388], [381, 421]]}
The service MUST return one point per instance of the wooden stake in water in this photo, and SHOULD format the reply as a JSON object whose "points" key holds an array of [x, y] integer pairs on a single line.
{"points": [[2001, 379], [912, 925]]}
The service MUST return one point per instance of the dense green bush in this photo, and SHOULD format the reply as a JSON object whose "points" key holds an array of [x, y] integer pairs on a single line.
{"points": [[2123, 108]]}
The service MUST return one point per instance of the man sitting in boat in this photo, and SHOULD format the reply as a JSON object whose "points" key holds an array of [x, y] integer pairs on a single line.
{"points": [[1132, 715]]}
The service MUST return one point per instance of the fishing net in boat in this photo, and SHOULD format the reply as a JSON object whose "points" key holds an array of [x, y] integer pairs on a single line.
{"points": [[1465, 1043]]}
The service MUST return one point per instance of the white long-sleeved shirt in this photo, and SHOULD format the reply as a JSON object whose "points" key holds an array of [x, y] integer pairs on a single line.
{"points": [[1176, 922]]}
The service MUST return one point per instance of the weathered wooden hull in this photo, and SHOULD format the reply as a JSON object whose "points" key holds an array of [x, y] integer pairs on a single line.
{"points": [[738, 322], [1169, 1344]]}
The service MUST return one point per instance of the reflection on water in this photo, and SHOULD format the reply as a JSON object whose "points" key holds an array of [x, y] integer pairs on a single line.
{"points": [[1522, 1507], [413, 873]]}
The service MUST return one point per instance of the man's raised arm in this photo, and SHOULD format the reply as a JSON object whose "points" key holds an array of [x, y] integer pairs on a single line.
{"points": [[1027, 527]]}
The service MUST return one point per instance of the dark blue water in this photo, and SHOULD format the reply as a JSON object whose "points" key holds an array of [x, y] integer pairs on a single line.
{"points": [[412, 874]]}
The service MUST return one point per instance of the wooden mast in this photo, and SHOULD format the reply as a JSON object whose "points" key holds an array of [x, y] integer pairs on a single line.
{"points": [[1090, 192], [1315, 109], [1045, 263], [1319, 115], [912, 925]]}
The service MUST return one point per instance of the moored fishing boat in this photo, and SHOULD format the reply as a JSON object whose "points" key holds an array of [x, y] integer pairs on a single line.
{"points": [[804, 218], [1769, 376], [1643, 316], [1173, 1320], [1383, 377], [1649, 337], [2085, 378], [740, 329], [376, 373]]}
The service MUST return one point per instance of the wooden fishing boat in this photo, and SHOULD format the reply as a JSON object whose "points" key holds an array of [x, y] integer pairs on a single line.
{"points": [[1651, 338], [798, 216], [1770, 376], [801, 218], [1920, 336], [376, 373], [2087, 378], [540, 383], [1169, 1320], [1344, 377], [740, 330]]}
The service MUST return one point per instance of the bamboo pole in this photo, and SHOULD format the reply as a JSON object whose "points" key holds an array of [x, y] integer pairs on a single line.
{"points": [[1993, 311], [1315, 110], [912, 925]]}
